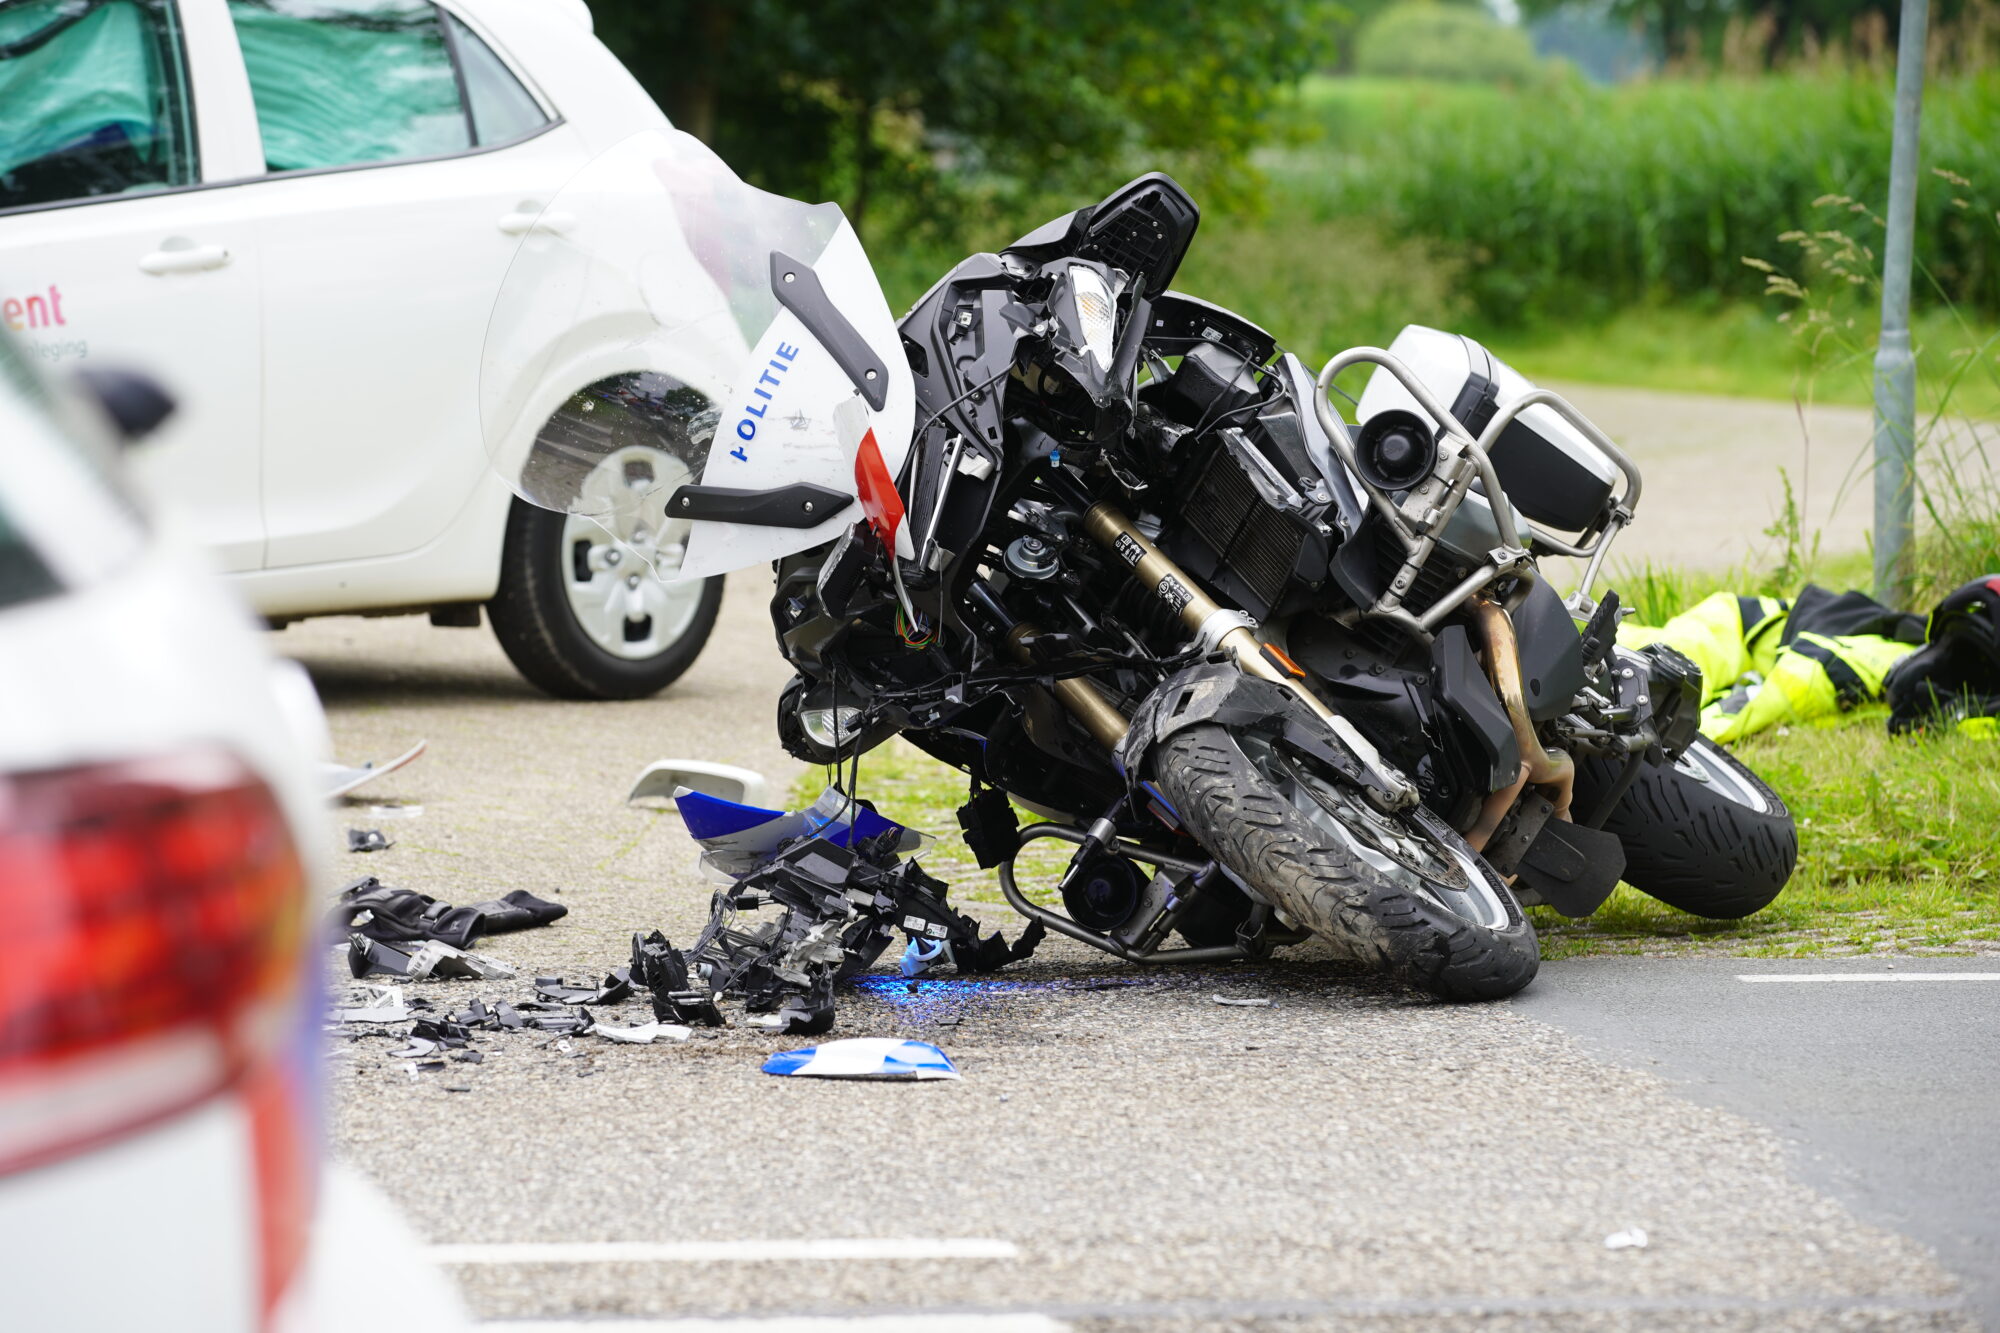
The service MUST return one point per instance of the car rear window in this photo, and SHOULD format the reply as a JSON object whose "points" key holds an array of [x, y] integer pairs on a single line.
{"points": [[96, 98], [342, 83]]}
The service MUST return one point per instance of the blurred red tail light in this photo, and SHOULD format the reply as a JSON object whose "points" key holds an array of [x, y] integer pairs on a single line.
{"points": [[151, 918]]}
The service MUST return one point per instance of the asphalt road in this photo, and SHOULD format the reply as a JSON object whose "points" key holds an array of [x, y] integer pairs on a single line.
{"points": [[1885, 1075], [1122, 1152]]}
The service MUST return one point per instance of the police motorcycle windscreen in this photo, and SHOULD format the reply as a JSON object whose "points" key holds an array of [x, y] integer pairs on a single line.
{"points": [[692, 364]]}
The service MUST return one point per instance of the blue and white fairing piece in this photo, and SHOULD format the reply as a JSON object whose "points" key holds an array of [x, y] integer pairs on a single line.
{"points": [[865, 1058], [735, 839]]}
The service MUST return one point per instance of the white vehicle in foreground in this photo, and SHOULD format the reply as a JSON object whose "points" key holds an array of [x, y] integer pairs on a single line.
{"points": [[298, 214], [160, 1003]]}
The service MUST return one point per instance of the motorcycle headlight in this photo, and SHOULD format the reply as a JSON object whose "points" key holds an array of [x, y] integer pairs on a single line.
{"points": [[830, 728], [1096, 313]]}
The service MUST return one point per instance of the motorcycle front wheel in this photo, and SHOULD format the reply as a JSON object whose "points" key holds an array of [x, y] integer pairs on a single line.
{"points": [[1401, 893]]}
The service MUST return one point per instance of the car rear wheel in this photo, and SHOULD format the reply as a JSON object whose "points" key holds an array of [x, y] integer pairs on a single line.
{"points": [[584, 609]]}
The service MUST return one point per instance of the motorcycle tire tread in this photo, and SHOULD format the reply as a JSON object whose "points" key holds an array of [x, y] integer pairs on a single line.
{"points": [[1693, 848], [1235, 813]]}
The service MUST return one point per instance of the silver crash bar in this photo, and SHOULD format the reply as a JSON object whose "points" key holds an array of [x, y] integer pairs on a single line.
{"points": [[1462, 460]]}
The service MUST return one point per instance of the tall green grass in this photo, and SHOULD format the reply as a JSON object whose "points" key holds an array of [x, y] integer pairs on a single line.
{"points": [[1568, 200]]}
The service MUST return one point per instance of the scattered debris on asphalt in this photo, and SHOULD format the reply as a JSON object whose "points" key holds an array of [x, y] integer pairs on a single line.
{"points": [[432, 958], [530, 1015], [670, 777], [337, 779], [395, 916], [1632, 1238], [883, 1058], [617, 986], [368, 840], [378, 1004], [817, 896], [1243, 1001], [663, 971], [920, 956], [645, 1034]]}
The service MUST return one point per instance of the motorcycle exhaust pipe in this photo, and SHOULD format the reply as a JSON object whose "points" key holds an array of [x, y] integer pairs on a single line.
{"points": [[1217, 627], [1106, 725], [1545, 768]]}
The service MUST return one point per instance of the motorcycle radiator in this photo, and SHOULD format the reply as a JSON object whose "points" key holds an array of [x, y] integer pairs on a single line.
{"points": [[1232, 537]]}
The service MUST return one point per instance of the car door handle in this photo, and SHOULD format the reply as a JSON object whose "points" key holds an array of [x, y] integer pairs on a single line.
{"points": [[177, 254], [528, 217]]}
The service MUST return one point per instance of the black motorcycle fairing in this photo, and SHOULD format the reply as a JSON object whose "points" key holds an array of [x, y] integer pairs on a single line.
{"points": [[1182, 323], [1551, 653], [1143, 227], [1431, 713]]}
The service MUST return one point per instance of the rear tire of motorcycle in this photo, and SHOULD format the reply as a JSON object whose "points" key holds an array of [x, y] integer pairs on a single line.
{"points": [[1245, 821], [1688, 843]]}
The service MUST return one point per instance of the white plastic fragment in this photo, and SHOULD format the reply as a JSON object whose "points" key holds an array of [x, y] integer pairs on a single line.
{"points": [[645, 1033], [426, 958], [385, 1004], [337, 780], [923, 955], [1632, 1238], [727, 782], [865, 1058], [1243, 1001]]}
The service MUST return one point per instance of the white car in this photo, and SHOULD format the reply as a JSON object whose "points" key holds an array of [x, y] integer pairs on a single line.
{"points": [[160, 1001], [298, 214]]}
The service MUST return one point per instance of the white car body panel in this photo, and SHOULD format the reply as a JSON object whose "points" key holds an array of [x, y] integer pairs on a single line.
{"points": [[327, 448]]}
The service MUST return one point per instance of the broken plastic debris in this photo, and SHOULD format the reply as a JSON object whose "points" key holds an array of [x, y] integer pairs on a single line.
{"points": [[666, 777], [736, 838], [1632, 1238], [920, 956], [392, 915], [617, 986], [864, 1058], [394, 811], [368, 840], [380, 1004], [799, 1015], [337, 780], [1243, 1001], [645, 1033], [662, 969], [432, 958]]}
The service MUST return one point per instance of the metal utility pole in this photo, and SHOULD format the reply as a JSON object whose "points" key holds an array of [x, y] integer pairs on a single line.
{"points": [[1895, 367]]}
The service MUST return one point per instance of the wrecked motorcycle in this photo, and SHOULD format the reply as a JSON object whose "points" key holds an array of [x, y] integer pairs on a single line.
{"points": [[1108, 549]]}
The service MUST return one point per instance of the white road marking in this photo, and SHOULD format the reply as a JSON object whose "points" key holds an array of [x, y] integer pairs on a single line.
{"points": [[1870, 976], [895, 1323], [720, 1251]]}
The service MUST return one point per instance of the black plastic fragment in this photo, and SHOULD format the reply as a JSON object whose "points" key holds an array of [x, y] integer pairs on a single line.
{"points": [[394, 916], [617, 986], [368, 840], [837, 908]]}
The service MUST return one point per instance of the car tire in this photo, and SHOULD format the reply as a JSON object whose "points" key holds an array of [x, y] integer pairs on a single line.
{"points": [[541, 631]]}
